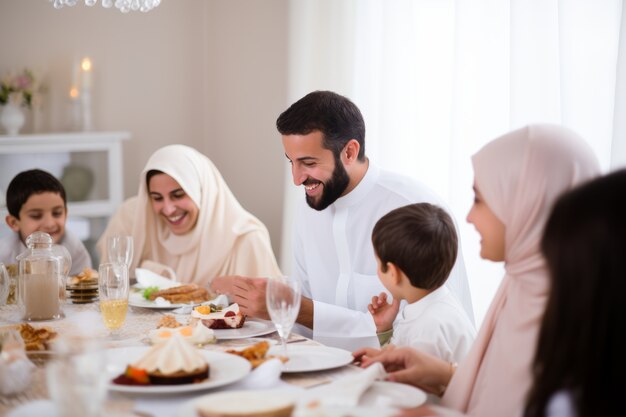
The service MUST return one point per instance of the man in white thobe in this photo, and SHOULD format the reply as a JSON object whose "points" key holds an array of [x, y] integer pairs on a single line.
{"points": [[323, 136]]}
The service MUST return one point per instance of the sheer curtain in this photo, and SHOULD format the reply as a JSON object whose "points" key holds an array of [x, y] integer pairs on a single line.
{"points": [[437, 79]]}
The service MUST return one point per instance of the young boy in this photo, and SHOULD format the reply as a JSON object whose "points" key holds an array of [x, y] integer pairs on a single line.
{"points": [[36, 202], [416, 247]]}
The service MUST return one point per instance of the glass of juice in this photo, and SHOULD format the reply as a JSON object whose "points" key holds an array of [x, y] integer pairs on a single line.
{"points": [[113, 293]]}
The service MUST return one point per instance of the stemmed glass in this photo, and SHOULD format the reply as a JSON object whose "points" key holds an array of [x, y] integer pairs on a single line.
{"points": [[120, 249], [77, 377], [113, 286], [283, 304]]}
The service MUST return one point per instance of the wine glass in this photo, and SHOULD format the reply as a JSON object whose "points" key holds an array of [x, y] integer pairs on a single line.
{"points": [[120, 249], [113, 286], [283, 304], [77, 378]]}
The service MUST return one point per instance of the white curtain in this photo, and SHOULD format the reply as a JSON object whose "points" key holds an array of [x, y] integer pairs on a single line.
{"points": [[437, 79]]}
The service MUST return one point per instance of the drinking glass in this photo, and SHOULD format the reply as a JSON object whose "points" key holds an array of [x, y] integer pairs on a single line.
{"points": [[120, 249], [76, 377], [283, 304], [113, 292]]}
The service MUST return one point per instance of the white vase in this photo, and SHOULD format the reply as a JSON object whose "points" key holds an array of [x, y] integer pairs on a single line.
{"points": [[12, 118]]}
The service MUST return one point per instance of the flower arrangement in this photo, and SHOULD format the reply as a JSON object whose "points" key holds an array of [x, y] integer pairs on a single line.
{"points": [[19, 89]]}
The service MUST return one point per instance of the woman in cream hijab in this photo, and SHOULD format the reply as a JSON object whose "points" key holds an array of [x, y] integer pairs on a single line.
{"points": [[186, 218], [518, 177]]}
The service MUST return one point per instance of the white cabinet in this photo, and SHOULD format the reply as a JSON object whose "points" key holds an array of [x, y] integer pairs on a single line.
{"points": [[98, 153]]}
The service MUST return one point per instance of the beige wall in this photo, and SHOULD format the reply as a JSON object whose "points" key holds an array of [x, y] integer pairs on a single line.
{"points": [[207, 73]]}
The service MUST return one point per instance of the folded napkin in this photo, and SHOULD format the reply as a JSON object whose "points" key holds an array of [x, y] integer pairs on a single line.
{"points": [[346, 391], [266, 375], [221, 301], [147, 278]]}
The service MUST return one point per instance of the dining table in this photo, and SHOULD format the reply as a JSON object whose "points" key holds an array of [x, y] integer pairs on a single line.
{"points": [[139, 322]]}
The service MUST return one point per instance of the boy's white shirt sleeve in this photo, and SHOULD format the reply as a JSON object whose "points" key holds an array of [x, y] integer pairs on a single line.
{"points": [[80, 257], [438, 325]]}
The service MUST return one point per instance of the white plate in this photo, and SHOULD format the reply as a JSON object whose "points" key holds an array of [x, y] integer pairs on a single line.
{"points": [[136, 299], [382, 399], [392, 394], [250, 328], [224, 369], [247, 399], [312, 358], [143, 303]]}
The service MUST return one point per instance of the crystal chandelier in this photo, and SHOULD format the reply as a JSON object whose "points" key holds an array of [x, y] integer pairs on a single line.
{"points": [[125, 6]]}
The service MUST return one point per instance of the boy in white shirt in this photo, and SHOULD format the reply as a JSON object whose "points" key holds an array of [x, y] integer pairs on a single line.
{"points": [[416, 247], [36, 201]]}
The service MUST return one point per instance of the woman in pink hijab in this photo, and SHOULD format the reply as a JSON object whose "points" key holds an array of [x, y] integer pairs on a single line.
{"points": [[518, 177]]}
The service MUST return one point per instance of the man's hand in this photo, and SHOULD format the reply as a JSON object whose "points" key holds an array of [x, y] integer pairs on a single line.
{"points": [[222, 285], [249, 293], [382, 312]]}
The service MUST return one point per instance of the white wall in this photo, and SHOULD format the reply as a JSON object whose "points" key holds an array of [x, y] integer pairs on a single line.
{"points": [[210, 74]]}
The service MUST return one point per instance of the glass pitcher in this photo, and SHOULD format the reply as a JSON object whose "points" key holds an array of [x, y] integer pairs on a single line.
{"points": [[4, 284], [42, 272]]}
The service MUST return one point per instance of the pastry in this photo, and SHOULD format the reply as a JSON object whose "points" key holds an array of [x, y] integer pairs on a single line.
{"points": [[36, 338], [256, 354], [228, 318], [173, 362], [245, 404], [190, 293], [197, 335]]}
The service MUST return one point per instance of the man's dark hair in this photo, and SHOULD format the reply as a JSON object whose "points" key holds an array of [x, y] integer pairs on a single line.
{"points": [[27, 183], [334, 115], [421, 240]]}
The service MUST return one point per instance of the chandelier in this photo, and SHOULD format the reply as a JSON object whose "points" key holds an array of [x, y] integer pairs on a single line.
{"points": [[125, 6]]}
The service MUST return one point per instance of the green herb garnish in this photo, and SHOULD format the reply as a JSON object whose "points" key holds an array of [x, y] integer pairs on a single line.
{"points": [[148, 291]]}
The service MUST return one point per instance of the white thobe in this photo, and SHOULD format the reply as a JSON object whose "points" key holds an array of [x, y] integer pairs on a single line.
{"points": [[11, 246], [334, 257], [436, 324]]}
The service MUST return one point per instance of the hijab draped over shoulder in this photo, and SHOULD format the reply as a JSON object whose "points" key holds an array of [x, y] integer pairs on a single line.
{"points": [[520, 175], [226, 240]]}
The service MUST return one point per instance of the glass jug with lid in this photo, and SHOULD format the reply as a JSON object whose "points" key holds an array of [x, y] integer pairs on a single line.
{"points": [[42, 272], [4, 284]]}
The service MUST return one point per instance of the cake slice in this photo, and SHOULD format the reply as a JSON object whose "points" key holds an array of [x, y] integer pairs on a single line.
{"points": [[173, 362], [228, 318]]}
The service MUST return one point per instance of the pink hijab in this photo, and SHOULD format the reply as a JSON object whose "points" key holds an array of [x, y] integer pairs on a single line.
{"points": [[520, 175]]}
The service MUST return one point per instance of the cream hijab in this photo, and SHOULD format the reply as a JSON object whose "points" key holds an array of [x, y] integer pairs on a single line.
{"points": [[207, 250], [520, 175]]}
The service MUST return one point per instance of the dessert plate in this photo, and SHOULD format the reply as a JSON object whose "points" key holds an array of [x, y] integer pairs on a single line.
{"points": [[382, 399], [224, 369], [312, 358], [251, 328]]}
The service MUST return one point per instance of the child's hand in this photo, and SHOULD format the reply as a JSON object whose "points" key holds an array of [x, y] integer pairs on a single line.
{"points": [[383, 313]]}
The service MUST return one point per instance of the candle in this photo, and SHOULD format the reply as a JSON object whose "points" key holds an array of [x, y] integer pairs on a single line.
{"points": [[85, 69], [73, 93]]}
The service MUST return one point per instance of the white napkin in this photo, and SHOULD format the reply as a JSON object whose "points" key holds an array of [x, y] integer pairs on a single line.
{"points": [[346, 391], [266, 375], [147, 278], [41, 408]]}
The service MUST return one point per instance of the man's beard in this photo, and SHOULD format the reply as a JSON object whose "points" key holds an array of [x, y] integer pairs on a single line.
{"points": [[333, 188]]}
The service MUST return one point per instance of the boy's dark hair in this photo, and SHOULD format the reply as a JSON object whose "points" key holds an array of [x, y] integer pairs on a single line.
{"points": [[421, 240], [334, 115], [27, 183]]}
